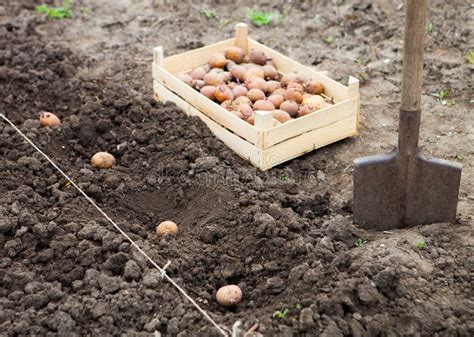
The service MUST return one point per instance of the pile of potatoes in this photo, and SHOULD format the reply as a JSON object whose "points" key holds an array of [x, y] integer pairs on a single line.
{"points": [[243, 84]]}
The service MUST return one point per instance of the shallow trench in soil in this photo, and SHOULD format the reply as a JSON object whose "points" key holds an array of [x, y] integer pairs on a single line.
{"points": [[285, 236]]}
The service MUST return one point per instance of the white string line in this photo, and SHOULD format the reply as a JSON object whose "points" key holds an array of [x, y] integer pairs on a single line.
{"points": [[161, 270]]}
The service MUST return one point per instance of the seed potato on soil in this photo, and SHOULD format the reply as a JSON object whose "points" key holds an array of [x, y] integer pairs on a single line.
{"points": [[49, 119], [285, 237], [229, 295], [103, 160], [167, 228]]}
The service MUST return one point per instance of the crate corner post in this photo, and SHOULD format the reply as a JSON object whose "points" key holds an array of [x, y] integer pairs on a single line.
{"points": [[263, 122], [241, 36], [353, 87], [158, 55], [353, 92], [263, 119], [157, 62]]}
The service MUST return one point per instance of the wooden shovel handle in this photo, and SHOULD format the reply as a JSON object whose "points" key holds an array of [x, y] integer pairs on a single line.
{"points": [[414, 43]]}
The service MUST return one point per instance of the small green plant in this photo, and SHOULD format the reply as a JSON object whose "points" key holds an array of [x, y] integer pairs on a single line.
{"points": [[421, 245], [284, 177], [360, 242], [259, 18], [280, 314], [360, 61], [210, 14], [61, 12], [441, 97], [328, 39], [430, 27], [470, 57], [298, 306], [84, 10], [441, 94], [459, 157]]}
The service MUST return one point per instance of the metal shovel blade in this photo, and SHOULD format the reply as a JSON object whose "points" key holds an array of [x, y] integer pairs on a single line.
{"points": [[404, 187], [395, 192]]}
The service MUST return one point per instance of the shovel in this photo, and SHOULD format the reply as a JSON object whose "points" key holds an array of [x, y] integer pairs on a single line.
{"points": [[405, 188]]}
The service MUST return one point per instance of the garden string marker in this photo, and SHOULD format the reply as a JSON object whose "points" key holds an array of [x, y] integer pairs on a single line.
{"points": [[161, 270]]}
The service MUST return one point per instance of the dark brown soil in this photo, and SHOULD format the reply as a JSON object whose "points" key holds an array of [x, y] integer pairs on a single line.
{"points": [[285, 236]]}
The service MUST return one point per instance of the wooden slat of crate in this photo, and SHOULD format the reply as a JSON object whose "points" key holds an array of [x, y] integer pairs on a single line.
{"points": [[307, 142], [286, 65], [204, 104], [193, 58], [315, 120], [243, 148]]}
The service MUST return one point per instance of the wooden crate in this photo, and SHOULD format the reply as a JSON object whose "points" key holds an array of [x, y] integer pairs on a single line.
{"points": [[267, 143]]}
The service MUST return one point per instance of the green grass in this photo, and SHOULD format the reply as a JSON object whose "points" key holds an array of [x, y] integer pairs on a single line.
{"points": [[61, 12], [280, 314], [421, 245], [430, 27], [259, 18], [284, 177], [441, 97], [54, 12], [470, 57], [210, 14], [328, 39], [360, 242]]}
